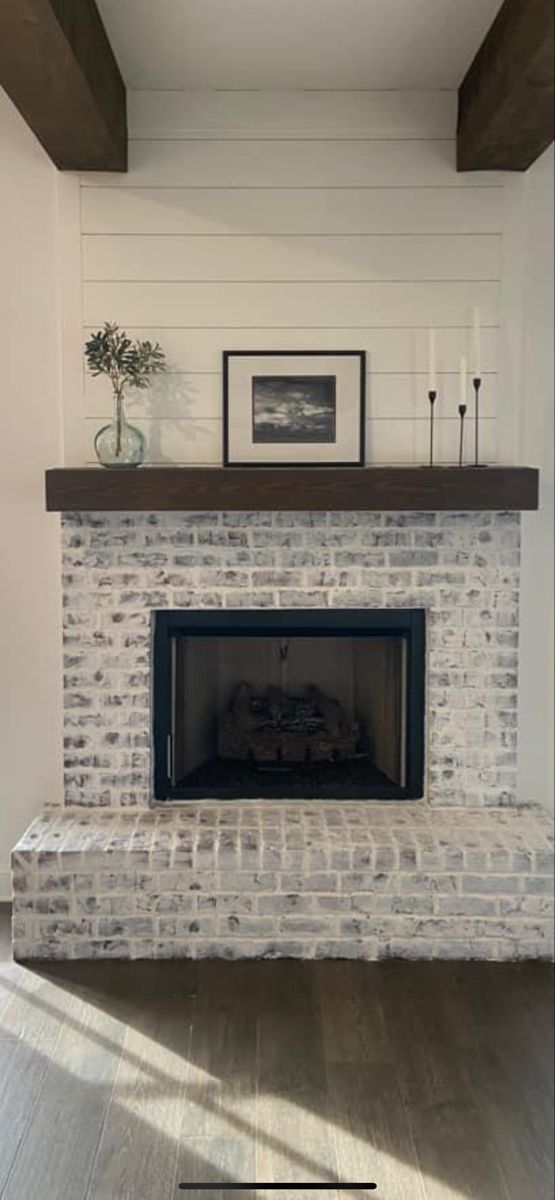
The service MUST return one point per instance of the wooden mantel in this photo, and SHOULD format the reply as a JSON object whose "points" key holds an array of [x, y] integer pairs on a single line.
{"points": [[158, 489]]}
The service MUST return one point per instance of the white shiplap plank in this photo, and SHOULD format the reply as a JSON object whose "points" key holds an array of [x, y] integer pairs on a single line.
{"points": [[299, 164], [390, 442], [174, 395], [175, 114], [207, 211], [393, 350], [199, 397], [199, 443], [280, 258], [289, 304]]}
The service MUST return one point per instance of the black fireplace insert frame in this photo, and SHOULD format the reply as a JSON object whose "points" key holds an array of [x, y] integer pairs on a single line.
{"points": [[410, 624]]}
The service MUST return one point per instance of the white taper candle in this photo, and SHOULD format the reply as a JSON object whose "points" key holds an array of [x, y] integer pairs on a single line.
{"points": [[464, 380], [433, 371], [477, 346]]}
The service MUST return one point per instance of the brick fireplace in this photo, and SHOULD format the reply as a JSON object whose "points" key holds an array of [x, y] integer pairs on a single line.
{"points": [[462, 872]]}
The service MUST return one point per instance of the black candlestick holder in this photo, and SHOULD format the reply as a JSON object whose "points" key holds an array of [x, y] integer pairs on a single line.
{"points": [[432, 397], [477, 385], [462, 415]]}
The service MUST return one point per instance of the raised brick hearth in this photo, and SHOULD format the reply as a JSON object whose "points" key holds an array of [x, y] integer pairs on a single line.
{"points": [[463, 873], [360, 880]]}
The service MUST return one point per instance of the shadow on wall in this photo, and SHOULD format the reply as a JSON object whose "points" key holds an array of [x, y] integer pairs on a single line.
{"points": [[169, 417]]}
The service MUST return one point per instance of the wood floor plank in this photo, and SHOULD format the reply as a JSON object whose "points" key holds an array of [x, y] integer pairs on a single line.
{"points": [[58, 1148], [518, 1122], [425, 1057], [354, 1021], [22, 1072], [431, 1068], [34, 1009], [501, 1036], [138, 1148], [293, 1141], [137, 1153], [216, 1160], [512, 1031], [498, 1003], [220, 1091], [6, 969], [455, 1155], [134, 992], [520, 1020], [290, 1034], [372, 1134]]}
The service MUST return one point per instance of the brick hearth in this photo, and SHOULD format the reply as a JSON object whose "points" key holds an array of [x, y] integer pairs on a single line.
{"points": [[267, 880]]}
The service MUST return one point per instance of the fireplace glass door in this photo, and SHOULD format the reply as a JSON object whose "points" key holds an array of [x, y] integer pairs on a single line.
{"points": [[288, 705]]}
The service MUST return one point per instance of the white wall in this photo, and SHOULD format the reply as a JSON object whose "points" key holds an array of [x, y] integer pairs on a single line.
{"points": [[30, 440], [292, 220], [536, 434]]}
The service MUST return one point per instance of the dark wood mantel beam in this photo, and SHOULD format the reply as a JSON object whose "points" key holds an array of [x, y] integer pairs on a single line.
{"points": [[506, 101], [58, 67], [293, 489]]}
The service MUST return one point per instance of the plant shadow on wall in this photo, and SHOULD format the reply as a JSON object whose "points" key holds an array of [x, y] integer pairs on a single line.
{"points": [[174, 431], [324, 1071]]}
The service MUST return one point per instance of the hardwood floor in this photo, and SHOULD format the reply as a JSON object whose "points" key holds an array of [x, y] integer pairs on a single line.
{"points": [[118, 1081]]}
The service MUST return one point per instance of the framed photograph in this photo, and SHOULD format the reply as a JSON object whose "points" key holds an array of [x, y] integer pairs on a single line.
{"points": [[299, 408]]}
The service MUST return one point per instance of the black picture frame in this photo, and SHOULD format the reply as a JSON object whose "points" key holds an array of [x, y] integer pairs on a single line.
{"points": [[357, 461]]}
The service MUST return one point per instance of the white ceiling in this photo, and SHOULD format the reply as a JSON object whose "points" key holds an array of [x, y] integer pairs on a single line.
{"points": [[316, 44]]}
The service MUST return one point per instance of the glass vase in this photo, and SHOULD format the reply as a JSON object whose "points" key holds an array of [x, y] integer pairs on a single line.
{"points": [[119, 444]]}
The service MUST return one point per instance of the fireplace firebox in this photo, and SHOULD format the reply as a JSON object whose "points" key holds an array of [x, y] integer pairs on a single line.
{"points": [[296, 704]]}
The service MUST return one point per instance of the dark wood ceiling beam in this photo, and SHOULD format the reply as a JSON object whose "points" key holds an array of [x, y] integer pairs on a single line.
{"points": [[506, 101], [58, 67]]}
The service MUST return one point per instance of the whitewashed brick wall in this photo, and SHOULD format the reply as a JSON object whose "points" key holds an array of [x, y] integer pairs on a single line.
{"points": [[462, 567]]}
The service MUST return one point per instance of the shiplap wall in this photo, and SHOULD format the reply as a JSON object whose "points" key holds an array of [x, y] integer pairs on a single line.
{"points": [[293, 221]]}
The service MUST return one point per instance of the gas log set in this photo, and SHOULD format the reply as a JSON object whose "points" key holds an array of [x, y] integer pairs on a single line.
{"points": [[274, 727]]}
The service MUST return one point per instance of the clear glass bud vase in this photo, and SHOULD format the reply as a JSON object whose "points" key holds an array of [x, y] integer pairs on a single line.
{"points": [[119, 444]]}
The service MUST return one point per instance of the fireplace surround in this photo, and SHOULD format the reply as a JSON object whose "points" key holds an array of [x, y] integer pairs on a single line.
{"points": [[110, 871], [461, 568]]}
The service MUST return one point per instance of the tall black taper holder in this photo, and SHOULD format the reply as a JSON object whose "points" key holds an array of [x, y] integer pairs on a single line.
{"points": [[477, 384], [462, 415], [432, 397]]}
